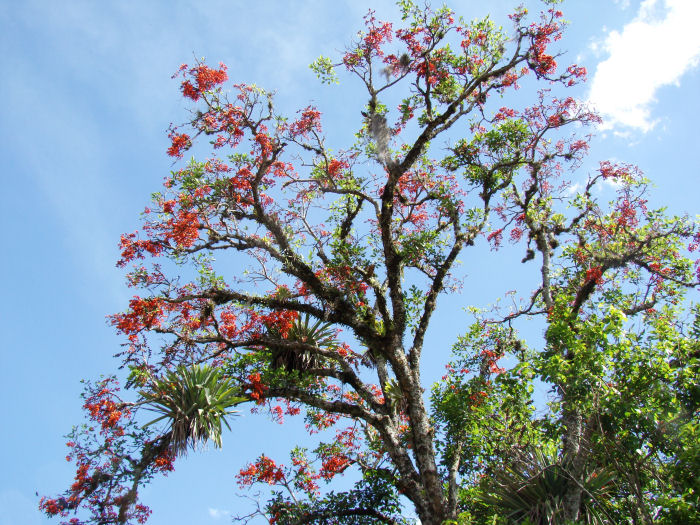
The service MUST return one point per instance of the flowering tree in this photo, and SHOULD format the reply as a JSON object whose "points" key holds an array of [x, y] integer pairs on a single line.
{"points": [[347, 255]]}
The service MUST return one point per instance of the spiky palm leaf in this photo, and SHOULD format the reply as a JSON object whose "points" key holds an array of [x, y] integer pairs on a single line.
{"points": [[318, 334], [532, 491], [196, 399]]}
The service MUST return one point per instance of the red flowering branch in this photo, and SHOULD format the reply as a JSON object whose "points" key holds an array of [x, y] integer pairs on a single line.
{"points": [[111, 464]]}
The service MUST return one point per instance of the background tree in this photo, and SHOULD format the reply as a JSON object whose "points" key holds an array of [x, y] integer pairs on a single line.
{"points": [[348, 253]]}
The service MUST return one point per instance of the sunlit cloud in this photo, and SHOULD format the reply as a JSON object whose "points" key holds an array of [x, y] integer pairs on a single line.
{"points": [[655, 49]]}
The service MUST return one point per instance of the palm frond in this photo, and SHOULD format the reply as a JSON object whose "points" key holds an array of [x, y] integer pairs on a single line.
{"points": [[317, 334], [532, 490], [196, 400]]}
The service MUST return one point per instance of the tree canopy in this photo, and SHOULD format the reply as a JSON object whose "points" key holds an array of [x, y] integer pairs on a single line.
{"points": [[339, 262]]}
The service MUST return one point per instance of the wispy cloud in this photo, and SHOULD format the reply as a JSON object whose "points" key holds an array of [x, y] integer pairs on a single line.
{"points": [[624, 4], [655, 49], [218, 513]]}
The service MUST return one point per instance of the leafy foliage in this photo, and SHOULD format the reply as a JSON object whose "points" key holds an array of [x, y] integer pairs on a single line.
{"points": [[373, 500]]}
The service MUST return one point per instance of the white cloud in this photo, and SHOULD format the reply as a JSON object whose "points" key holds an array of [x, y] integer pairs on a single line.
{"points": [[573, 189], [218, 513], [653, 50]]}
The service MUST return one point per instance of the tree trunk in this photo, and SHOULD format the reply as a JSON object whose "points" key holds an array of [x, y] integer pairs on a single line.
{"points": [[573, 458], [431, 518]]}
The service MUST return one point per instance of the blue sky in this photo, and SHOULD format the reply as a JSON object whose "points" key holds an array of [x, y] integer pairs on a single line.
{"points": [[86, 100]]}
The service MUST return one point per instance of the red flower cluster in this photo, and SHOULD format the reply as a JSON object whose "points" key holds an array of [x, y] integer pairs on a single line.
{"points": [[105, 409], [594, 274], [263, 145], [543, 34], [179, 143], [304, 477], [310, 120], [627, 212], [622, 172], [504, 113], [164, 461], [280, 321], [333, 465], [133, 248], [142, 314], [335, 167], [516, 234], [344, 278], [695, 243], [491, 359], [477, 397], [577, 73], [257, 388], [495, 238], [377, 34], [203, 78], [318, 421], [183, 229], [53, 507], [263, 470], [278, 412]]}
